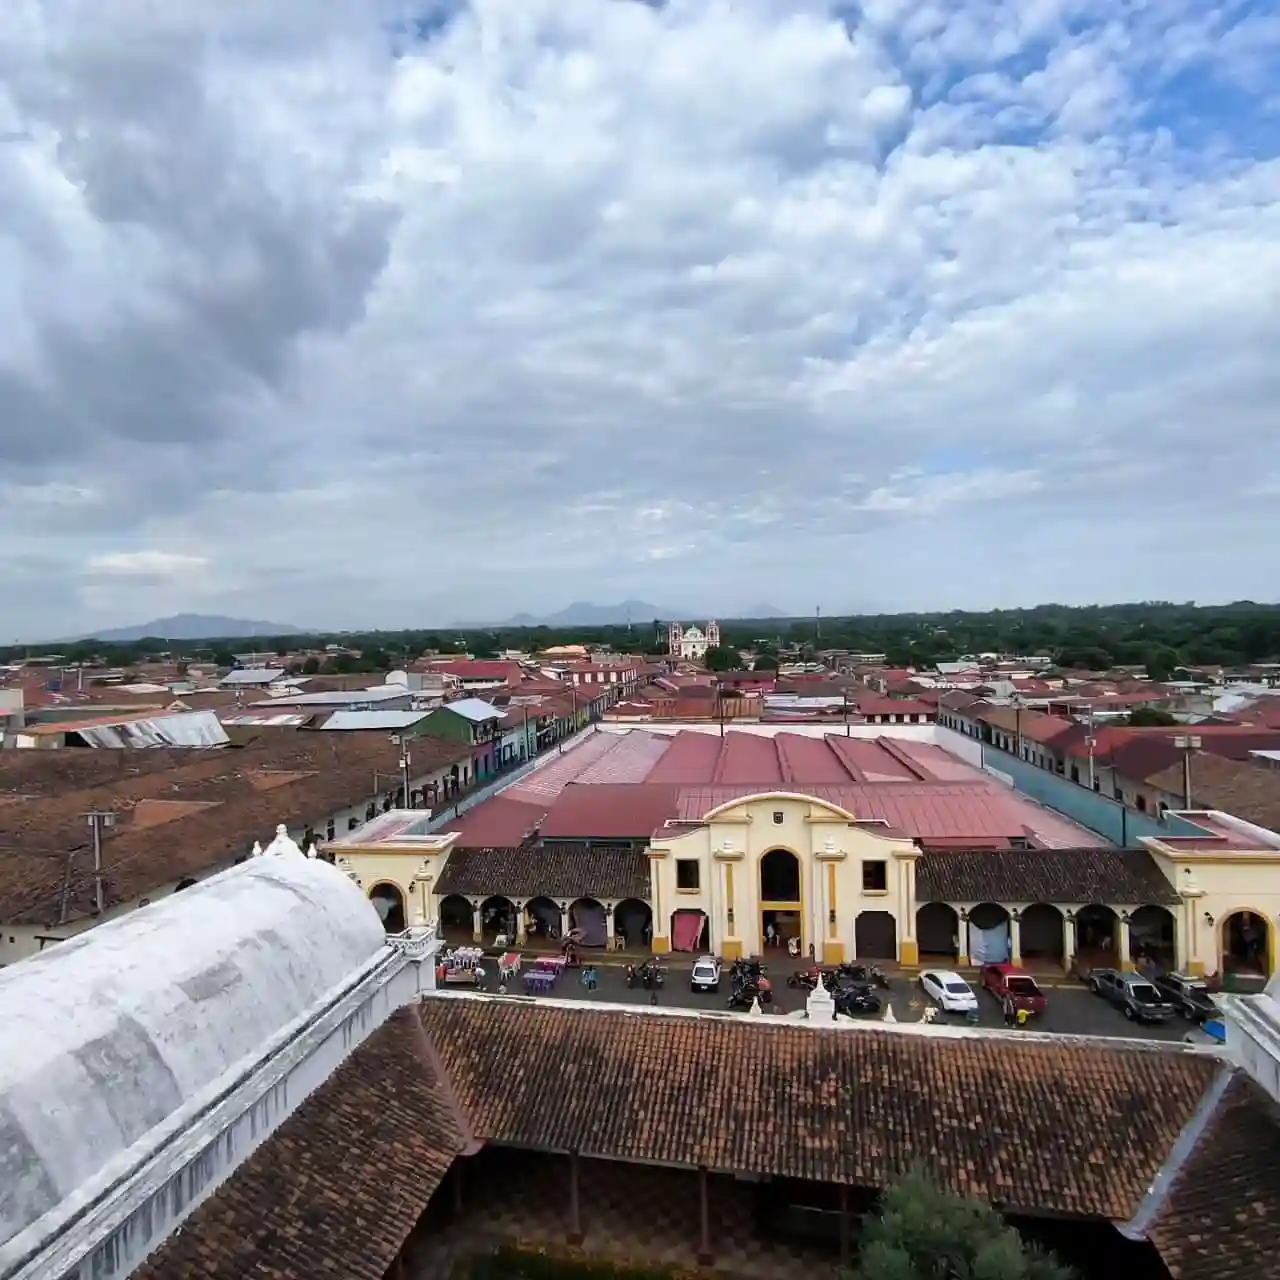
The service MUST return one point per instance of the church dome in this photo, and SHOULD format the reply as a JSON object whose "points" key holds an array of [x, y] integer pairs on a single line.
{"points": [[113, 1031]]}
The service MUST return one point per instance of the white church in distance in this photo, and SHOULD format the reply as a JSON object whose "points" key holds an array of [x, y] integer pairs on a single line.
{"points": [[692, 642]]}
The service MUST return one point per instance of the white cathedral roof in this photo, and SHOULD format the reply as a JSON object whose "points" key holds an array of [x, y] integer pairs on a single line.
{"points": [[113, 1031]]}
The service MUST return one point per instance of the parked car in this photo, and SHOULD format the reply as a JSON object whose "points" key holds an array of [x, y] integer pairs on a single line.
{"points": [[949, 991], [1008, 982], [1211, 1034], [706, 974], [1190, 996], [1135, 996]]}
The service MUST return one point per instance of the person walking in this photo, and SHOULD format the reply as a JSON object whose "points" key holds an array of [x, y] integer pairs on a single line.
{"points": [[1009, 1014]]}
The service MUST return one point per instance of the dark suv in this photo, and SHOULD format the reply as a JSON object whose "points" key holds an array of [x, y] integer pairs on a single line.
{"points": [[1135, 996]]}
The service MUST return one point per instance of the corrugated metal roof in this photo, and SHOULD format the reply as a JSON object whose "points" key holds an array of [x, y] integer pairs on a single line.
{"points": [[338, 697], [474, 709], [385, 720], [253, 675]]}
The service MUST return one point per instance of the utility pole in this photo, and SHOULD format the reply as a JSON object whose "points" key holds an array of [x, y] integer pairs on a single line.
{"points": [[399, 740], [1090, 742], [1188, 745], [99, 820]]}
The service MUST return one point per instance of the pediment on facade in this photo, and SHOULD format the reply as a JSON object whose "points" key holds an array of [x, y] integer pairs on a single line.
{"points": [[761, 807]]}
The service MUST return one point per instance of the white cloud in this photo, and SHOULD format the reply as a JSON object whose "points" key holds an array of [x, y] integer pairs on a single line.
{"points": [[146, 564], [594, 298]]}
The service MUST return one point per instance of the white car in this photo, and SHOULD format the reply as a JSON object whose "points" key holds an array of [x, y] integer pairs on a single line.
{"points": [[706, 974], [949, 991]]}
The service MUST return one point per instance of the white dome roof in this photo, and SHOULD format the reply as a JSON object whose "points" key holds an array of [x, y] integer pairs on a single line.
{"points": [[111, 1032]]}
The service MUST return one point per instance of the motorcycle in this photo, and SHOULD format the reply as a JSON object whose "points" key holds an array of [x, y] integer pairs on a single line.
{"points": [[857, 1000], [650, 975], [631, 975], [805, 979]]}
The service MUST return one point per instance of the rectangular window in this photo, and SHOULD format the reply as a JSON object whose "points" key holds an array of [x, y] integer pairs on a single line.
{"points": [[875, 877], [687, 875]]}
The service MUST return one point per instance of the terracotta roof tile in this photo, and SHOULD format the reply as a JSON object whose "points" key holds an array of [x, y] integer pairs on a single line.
{"points": [[552, 871], [1043, 875], [1059, 1126], [44, 843], [337, 1189], [1246, 790], [1221, 1220]]}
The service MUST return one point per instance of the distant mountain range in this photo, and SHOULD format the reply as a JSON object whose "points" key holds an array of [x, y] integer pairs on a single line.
{"points": [[639, 613], [196, 626]]}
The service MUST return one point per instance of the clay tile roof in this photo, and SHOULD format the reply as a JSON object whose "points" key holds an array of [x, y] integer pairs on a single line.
{"points": [[1243, 789], [1043, 875], [552, 871], [1221, 1220], [1061, 1126], [45, 857], [336, 1190]]}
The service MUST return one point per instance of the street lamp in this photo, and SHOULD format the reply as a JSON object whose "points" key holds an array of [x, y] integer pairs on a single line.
{"points": [[99, 820], [1187, 744], [399, 740]]}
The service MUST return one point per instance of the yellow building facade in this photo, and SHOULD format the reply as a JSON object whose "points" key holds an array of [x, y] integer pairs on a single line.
{"points": [[785, 871]]}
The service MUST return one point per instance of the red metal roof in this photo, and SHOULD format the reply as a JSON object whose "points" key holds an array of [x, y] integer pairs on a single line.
{"points": [[466, 669], [498, 822], [691, 758], [610, 811], [748, 758]]}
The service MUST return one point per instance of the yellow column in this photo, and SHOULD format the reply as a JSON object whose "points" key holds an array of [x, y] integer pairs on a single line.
{"points": [[832, 947], [908, 947], [962, 956], [732, 947]]}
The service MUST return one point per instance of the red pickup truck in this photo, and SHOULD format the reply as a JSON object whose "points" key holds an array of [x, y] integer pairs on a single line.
{"points": [[1008, 982]]}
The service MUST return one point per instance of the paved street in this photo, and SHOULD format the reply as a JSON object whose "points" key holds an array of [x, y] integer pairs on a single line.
{"points": [[1071, 1009]]}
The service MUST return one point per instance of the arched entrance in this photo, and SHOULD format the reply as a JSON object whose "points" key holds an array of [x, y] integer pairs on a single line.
{"points": [[1151, 939], [587, 916], [542, 919], [388, 902], [781, 900], [938, 931], [875, 936], [633, 923], [185, 883], [497, 916], [1097, 937], [456, 920], [1040, 934], [989, 941], [1246, 943], [689, 930]]}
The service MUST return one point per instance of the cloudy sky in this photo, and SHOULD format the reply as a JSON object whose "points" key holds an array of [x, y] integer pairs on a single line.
{"points": [[355, 313]]}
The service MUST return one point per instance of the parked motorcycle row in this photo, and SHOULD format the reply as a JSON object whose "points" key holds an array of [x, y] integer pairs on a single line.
{"points": [[749, 984], [850, 986], [649, 974]]}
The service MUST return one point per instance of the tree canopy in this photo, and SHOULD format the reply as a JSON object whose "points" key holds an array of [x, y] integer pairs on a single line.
{"points": [[922, 1233], [1161, 636]]}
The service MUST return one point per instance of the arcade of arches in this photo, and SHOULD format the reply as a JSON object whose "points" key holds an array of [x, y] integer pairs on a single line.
{"points": [[793, 872]]}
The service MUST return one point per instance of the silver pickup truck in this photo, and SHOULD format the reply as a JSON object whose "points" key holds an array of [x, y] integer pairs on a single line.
{"points": [[1135, 996]]}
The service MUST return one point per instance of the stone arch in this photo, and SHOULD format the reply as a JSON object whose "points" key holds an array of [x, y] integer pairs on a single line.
{"points": [[938, 929], [1040, 933], [1152, 937], [388, 902], [588, 916], [875, 936], [1097, 937], [456, 919], [988, 938], [1246, 943], [543, 916], [633, 923], [781, 876], [498, 915]]}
